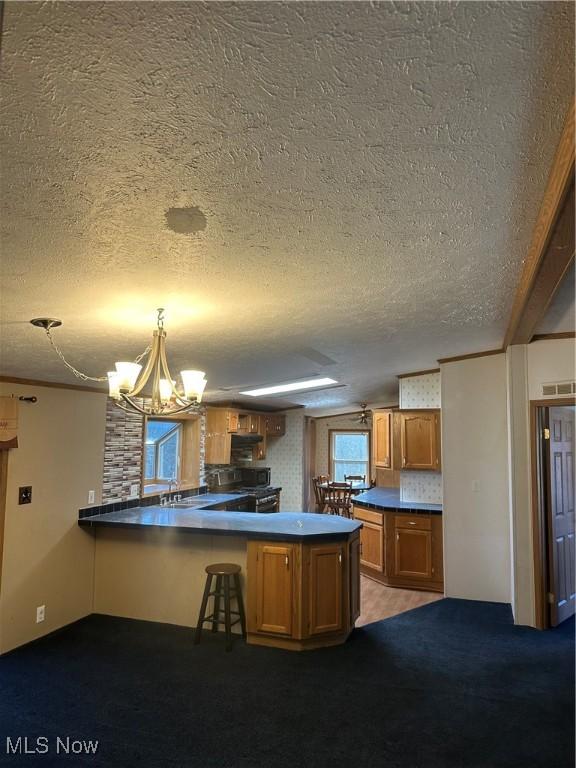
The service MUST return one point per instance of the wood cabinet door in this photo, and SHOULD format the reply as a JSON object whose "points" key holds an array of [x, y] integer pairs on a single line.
{"points": [[372, 546], [381, 439], [275, 588], [419, 441], [354, 576], [413, 553], [233, 421], [325, 596]]}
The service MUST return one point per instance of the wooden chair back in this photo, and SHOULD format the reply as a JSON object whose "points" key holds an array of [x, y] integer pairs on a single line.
{"points": [[320, 493], [339, 499], [354, 478]]}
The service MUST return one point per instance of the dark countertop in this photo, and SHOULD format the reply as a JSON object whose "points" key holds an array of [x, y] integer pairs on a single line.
{"points": [[278, 526], [389, 498]]}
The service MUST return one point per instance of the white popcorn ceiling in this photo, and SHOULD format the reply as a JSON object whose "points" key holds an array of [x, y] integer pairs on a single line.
{"points": [[365, 178]]}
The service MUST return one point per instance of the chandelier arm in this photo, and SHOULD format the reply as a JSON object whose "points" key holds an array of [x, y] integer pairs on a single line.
{"points": [[168, 375], [149, 412], [156, 400], [75, 371], [145, 374]]}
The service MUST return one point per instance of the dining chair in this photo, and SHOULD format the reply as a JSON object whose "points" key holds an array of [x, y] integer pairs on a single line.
{"points": [[339, 499], [355, 478]]}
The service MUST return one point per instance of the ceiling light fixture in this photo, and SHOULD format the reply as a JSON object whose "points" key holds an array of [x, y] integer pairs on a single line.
{"points": [[153, 384], [292, 387]]}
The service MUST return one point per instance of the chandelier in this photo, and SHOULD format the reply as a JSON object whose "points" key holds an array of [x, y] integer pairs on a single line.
{"points": [[148, 389]]}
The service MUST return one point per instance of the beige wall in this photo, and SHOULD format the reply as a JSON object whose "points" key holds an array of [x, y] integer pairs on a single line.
{"points": [[323, 427], [529, 366], [158, 575], [475, 479], [48, 560]]}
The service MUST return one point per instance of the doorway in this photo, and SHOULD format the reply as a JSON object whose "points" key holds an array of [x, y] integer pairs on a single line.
{"points": [[554, 432]]}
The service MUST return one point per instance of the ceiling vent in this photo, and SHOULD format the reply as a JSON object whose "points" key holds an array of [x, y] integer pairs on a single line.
{"points": [[558, 389]]}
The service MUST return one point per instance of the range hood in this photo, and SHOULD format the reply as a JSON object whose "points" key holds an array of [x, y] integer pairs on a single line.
{"points": [[249, 439]]}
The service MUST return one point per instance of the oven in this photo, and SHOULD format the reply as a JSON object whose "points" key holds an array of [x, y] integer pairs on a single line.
{"points": [[268, 503], [255, 476]]}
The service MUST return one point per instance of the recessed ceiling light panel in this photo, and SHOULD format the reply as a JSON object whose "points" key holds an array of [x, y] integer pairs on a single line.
{"points": [[294, 386]]}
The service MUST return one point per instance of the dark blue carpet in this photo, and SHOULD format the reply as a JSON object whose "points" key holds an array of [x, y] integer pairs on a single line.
{"points": [[451, 684]]}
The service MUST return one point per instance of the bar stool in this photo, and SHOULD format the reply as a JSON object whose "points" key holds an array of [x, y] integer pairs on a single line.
{"points": [[223, 572]]}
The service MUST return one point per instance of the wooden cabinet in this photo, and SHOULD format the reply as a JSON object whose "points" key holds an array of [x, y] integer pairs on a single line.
{"points": [[326, 595], [232, 421], [248, 423], [275, 595], [259, 450], [420, 439], [386, 448], [302, 595], [371, 538], [382, 439], [276, 424], [218, 437], [413, 547], [354, 576], [401, 549]]}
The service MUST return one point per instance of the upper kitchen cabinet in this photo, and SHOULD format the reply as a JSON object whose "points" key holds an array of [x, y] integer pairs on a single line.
{"points": [[420, 439], [275, 424], [218, 436], [382, 439], [232, 421], [249, 423]]}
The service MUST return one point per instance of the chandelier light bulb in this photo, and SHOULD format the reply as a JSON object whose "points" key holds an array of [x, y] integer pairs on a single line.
{"points": [[114, 384], [127, 375]]}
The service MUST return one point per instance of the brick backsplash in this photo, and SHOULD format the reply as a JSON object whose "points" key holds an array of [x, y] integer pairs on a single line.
{"points": [[123, 453]]}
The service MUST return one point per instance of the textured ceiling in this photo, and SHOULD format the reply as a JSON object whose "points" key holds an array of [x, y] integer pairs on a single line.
{"points": [[361, 181]]}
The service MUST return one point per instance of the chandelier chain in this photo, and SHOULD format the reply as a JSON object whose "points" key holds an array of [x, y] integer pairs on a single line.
{"points": [[75, 371]]}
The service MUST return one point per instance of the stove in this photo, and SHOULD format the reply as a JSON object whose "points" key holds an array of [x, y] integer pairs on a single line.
{"points": [[262, 498]]}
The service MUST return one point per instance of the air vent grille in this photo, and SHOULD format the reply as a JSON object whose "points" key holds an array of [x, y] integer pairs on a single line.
{"points": [[559, 388]]}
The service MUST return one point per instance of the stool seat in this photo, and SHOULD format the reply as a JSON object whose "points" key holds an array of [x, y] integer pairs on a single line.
{"points": [[227, 586], [223, 569]]}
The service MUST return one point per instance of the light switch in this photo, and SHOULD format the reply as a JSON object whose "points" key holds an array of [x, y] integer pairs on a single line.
{"points": [[25, 494]]}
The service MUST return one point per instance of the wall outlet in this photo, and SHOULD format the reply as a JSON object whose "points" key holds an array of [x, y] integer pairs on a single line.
{"points": [[91, 497], [135, 490], [25, 494], [40, 613]]}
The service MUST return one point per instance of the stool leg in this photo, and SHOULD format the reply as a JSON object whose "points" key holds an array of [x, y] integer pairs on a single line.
{"points": [[228, 620], [216, 612], [240, 603], [202, 614]]}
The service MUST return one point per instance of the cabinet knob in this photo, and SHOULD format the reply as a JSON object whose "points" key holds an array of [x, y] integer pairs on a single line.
{"points": [[286, 561], [340, 557], [412, 522]]}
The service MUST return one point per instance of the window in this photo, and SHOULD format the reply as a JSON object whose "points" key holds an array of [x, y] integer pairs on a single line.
{"points": [[161, 454], [349, 454]]}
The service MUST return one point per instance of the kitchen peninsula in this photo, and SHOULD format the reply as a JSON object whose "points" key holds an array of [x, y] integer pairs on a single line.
{"points": [[300, 571]]}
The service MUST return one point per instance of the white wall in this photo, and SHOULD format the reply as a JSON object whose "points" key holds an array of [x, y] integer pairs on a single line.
{"points": [[529, 366], [475, 479], [48, 560]]}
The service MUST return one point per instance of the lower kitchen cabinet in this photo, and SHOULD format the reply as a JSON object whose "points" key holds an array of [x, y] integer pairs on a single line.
{"points": [[371, 538], [302, 595], [401, 549], [275, 578]]}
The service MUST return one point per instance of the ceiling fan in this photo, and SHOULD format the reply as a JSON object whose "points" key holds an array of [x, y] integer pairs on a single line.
{"points": [[364, 414]]}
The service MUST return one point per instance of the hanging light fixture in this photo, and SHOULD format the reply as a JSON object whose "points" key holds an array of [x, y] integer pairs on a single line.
{"points": [[151, 383]]}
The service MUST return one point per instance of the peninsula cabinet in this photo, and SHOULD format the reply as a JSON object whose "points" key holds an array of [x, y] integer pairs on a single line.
{"points": [[303, 595], [401, 549], [420, 439]]}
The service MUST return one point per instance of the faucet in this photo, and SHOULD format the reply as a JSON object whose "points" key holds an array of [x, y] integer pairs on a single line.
{"points": [[174, 484]]}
